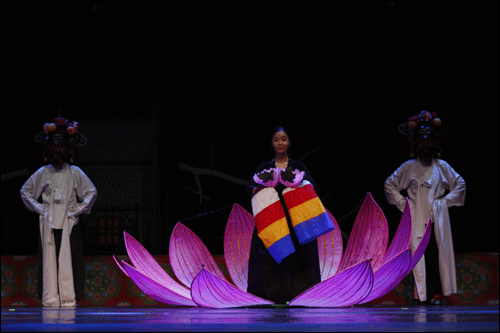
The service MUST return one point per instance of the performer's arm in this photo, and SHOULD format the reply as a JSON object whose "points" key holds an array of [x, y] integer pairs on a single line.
{"points": [[28, 191], [253, 187], [86, 193], [308, 177], [394, 184], [455, 184]]}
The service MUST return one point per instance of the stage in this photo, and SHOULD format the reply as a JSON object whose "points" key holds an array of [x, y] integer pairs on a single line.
{"points": [[278, 319]]}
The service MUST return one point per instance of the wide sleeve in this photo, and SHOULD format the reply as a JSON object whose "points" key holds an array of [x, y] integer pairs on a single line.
{"points": [[31, 191], [307, 175], [395, 183], [455, 184], [85, 191]]}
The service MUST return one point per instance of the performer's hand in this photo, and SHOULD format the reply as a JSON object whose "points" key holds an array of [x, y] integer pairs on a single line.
{"points": [[257, 189]]}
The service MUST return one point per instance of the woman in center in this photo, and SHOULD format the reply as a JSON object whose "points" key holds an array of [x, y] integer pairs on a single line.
{"points": [[289, 217]]}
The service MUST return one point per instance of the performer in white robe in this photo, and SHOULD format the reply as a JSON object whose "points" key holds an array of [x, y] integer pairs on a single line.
{"points": [[426, 179], [66, 192]]}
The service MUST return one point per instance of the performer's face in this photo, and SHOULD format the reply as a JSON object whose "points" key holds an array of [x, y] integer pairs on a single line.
{"points": [[280, 142], [57, 153], [425, 149]]}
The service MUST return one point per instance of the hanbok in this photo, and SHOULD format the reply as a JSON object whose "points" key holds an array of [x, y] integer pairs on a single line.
{"points": [[283, 258], [426, 186], [65, 194]]}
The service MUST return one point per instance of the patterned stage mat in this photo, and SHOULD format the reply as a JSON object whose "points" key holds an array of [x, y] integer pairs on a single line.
{"points": [[106, 285]]}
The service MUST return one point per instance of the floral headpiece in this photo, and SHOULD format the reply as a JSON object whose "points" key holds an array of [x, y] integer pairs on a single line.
{"points": [[61, 129], [424, 124]]}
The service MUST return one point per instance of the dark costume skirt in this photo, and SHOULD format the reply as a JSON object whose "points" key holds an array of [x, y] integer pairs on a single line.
{"points": [[282, 282], [75, 240]]}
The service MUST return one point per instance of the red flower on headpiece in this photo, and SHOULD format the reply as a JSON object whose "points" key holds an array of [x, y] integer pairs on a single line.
{"points": [[72, 128], [60, 121], [426, 115]]}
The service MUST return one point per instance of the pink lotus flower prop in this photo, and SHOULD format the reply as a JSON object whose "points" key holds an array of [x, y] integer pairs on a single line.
{"points": [[290, 178], [368, 269], [267, 178]]}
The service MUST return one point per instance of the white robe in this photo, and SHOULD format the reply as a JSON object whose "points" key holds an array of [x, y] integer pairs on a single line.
{"points": [[60, 210], [426, 186]]}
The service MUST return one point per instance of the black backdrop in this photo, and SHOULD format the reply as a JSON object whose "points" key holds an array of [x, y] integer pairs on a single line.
{"points": [[206, 82]]}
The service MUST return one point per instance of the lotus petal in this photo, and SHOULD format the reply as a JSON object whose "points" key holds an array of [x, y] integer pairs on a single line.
{"points": [[210, 291], [146, 264], [389, 275], [346, 288], [401, 240], [124, 271], [330, 247], [188, 255], [237, 241], [155, 290], [369, 236], [419, 251]]}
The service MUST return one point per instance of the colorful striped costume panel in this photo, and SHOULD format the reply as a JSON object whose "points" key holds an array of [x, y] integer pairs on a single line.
{"points": [[272, 226], [309, 217]]}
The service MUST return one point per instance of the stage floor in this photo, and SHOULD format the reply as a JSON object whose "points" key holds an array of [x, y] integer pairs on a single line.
{"points": [[281, 319]]}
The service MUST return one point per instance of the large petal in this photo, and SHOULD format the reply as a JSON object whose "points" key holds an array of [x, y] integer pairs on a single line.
{"points": [[155, 290], [389, 275], [369, 236], [209, 291], [330, 247], [419, 251], [237, 241], [401, 240], [147, 265], [346, 288], [120, 266], [188, 255]]}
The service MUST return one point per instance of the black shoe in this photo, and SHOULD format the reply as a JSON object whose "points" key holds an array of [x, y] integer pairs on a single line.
{"points": [[437, 300], [416, 302], [419, 302]]}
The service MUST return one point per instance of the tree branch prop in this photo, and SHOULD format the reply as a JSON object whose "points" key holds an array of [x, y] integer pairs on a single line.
{"points": [[15, 174], [310, 152], [197, 172], [198, 193], [208, 172]]}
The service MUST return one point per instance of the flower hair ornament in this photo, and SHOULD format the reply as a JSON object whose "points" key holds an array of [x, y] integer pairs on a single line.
{"points": [[425, 124], [61, 130]]}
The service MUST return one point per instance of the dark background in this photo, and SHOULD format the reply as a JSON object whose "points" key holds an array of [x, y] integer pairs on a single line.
{"points": [[156, 84]]}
